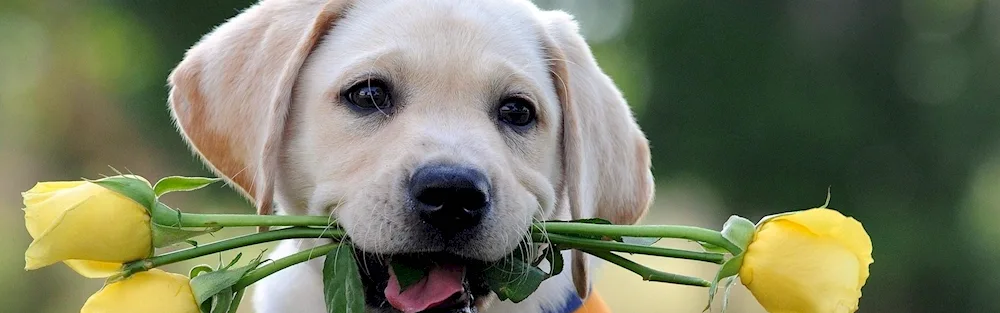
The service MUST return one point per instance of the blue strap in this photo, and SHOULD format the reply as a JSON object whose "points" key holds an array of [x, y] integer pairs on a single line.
{"points": [[573, 303]]}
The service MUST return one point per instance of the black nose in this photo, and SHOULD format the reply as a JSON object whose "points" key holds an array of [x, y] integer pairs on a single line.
{"points": [[451, 198]]}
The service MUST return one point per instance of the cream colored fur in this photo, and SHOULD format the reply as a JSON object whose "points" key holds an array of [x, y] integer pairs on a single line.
{"points": [[257, 99]]}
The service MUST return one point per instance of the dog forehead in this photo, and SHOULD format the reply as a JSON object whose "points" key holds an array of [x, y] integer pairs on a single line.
{"points": [[451, 48], [440, 34], [480, 19]]}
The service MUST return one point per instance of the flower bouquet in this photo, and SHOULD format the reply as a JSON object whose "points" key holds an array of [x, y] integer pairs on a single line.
{"points": [[810, 261]]}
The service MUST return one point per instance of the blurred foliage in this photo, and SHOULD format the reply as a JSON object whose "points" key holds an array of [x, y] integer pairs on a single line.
{"points": [[755, 107]]}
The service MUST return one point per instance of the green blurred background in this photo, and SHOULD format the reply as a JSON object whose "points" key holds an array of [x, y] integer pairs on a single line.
{"points": [[752, 107]]}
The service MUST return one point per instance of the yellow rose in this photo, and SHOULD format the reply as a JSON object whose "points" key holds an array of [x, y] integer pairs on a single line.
{"points": [[89, 227], [149, 291], [813, 261]]}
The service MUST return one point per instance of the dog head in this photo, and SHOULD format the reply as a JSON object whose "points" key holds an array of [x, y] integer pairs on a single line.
{"points": [[441, 127]]}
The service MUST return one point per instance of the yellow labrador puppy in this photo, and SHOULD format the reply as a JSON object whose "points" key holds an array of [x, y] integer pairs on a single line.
{"points": [[425, 127]]}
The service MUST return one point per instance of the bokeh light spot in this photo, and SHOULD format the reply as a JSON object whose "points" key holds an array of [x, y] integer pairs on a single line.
{"points": [[933, 73]]}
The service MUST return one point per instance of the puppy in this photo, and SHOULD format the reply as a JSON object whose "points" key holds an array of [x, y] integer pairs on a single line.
{"points": [[425, 127]]}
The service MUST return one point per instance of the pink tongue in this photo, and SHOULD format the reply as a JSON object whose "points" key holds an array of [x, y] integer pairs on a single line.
{"points": [[442, 282]]}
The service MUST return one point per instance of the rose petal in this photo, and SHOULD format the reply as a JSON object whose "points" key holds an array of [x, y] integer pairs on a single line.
{"points": [[150, 291]]}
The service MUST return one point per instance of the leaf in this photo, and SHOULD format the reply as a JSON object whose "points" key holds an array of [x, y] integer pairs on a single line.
{"points": [[644, 241], [739, 231], [165, 223], [828, 195], [342, 282], [181, 183], [712, 248], [773, 216], [134, 188], [223, 300], [594, 220], [207, 285], [199, 269], [206, 307], [165, 215], [165, 236], [725, 296], [555, 258], [729, 269], [513, 279], [233, 262], [536, 259], [408, 273], [538, 252]]}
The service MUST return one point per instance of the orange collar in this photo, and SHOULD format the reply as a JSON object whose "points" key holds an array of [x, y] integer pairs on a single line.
{"points": [[593, 304]]}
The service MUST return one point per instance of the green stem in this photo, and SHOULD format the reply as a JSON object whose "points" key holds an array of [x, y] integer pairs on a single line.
{"points": [[232, 243], [170, 217], [244, 220], [590, 244], [647, 273], [282, 263], [656, 231], [236, 301]]}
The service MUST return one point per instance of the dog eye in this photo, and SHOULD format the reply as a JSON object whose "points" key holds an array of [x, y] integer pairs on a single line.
{"points": [[516, 111], [369, 95]]}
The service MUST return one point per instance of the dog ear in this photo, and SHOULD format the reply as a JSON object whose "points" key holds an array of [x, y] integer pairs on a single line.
{"points": [[230, 95], [606, 163]]}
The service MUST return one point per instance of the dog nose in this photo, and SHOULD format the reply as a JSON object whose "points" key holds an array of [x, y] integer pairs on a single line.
{"points": [[450, 198]]}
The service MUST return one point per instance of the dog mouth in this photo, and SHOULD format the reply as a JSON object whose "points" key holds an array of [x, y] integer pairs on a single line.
{"points": [[446, 283]]}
